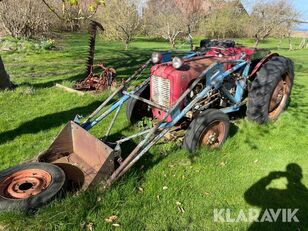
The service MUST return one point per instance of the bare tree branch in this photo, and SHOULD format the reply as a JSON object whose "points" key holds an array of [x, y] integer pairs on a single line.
{"points": [[121, 20]]}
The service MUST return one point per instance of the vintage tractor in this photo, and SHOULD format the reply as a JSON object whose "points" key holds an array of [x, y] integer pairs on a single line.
{"points": [[193, 94]]}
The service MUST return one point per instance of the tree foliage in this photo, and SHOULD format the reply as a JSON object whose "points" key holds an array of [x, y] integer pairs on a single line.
{"points": [[72, 12], [225, 19], [121, 20], [272, 18], [168, 19], [164, 19], [25, 18], [172, 19], [191, 11]]}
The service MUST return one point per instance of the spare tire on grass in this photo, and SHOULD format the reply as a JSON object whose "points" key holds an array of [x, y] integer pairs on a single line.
{"points": [[29, 186]]}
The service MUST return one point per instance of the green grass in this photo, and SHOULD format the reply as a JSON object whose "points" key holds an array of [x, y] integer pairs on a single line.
{"points": [[180, 192]]}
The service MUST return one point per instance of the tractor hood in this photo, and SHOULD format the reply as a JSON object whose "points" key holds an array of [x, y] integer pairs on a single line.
{"points": [[168, 83], [190, 70]]}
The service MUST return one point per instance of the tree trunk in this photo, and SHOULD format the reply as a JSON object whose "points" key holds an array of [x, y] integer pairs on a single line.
{"points": [[290, 42], [126, 45], [256, 43], [172, 43], [5, 82], [190, 38]]}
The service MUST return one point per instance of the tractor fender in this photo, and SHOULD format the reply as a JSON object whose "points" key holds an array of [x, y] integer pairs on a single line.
{"points": [[261, 63]]}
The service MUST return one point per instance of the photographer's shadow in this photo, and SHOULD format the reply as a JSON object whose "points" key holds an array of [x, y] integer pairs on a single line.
{"points": [[295, 196]]}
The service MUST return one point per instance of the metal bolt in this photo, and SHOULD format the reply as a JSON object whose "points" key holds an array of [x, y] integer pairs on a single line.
{"points": [[212, 138]]}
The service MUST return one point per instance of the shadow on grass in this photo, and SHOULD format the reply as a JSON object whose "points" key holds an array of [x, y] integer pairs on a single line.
{"points": [[87, 201], [126, 64], [232, 132], [54, 81], [74, 210], [46, 122], [148, 161], [295, 196]]}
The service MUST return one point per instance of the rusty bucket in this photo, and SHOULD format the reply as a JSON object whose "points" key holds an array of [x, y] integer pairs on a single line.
{"points": [[84, 158]]}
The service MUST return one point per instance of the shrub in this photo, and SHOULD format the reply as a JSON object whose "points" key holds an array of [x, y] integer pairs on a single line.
{"points": [[26, 18], [25, 45]]}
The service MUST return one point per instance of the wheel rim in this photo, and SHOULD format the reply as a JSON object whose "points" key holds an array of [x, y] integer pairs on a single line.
{"points": [[25, 183], [213, 135], [279, 97]]}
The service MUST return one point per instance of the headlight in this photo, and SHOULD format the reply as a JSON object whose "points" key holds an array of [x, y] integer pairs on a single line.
{"points": [[157, 57], [177, 62]]}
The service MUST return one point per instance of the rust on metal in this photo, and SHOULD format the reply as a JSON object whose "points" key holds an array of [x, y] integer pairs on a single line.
{"points": [[25, 183], [279, 97], [94, 81], [97, 82], [84, 158], [136, 154], [261, 63], [213, 135]]}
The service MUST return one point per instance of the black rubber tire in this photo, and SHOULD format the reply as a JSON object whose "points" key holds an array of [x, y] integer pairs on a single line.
{"points": [[136, 109], [225, 43], [36, 201], [200, 123], [264, 84]]}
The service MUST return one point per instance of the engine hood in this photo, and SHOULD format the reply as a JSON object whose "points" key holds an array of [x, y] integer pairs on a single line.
{"points": [[190, 70], [168, 83]]}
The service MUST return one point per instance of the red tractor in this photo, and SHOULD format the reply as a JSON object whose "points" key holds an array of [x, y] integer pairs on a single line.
{"points": [[193, 94], [263, 85]]}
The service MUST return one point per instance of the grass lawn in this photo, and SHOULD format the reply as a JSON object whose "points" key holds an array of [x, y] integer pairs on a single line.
{"points": [[168, 189]]}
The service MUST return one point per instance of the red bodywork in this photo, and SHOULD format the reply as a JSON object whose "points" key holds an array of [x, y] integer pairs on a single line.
{"points": [[179, 80]]}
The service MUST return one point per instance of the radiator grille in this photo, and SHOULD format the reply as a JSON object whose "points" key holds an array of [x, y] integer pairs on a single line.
{"points": [[161, 91]]}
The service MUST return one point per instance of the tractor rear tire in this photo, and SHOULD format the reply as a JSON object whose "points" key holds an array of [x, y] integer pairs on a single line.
{"points": [[270, 90], [28, 186], [209, 129], [136, 109]]}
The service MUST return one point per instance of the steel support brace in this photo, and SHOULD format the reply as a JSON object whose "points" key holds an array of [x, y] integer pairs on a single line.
{"points": [[155, 105], [139, 71]]}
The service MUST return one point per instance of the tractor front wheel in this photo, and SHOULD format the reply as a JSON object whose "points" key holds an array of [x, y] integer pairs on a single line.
{"points": [[270, 90], [136, 109], [209, 129]]}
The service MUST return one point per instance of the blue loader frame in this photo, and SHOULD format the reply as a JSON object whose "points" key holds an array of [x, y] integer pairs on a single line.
{"points": [[213, 77]]}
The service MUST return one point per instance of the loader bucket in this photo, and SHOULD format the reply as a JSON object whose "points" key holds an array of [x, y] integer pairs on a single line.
{"points": [[84, 158]]}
